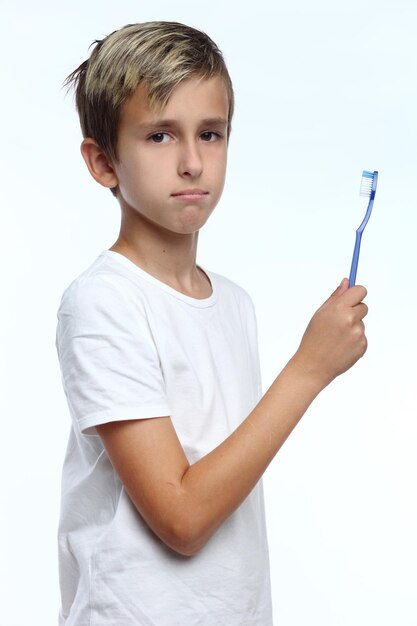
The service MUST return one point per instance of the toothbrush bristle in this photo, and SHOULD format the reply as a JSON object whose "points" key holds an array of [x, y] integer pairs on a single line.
{"points": [[366, 183]]}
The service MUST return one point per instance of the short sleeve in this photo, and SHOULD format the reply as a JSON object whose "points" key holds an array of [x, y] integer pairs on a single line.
{"points": [[109, 363]]}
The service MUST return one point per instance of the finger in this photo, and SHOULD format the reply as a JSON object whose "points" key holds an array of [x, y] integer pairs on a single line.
{"points": [[354, 295], [361, 310]]}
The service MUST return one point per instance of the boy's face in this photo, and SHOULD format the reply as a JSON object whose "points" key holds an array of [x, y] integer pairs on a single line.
{"points": [[172, 163]]}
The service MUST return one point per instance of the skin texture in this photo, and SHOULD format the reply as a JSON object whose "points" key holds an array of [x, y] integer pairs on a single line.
{"points": [[184, 504]]}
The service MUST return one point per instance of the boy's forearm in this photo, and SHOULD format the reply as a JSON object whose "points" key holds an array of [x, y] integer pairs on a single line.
{"points": [[217, 484]]}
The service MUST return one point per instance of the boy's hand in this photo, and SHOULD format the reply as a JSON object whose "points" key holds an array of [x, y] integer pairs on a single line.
{"points": [[335, 337]]}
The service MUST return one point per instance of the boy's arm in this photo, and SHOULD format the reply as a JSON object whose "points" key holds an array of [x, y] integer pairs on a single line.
{"points": [[184, 504]]}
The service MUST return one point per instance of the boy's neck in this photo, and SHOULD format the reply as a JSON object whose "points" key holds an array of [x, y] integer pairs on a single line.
{"points": [[167, 256]]}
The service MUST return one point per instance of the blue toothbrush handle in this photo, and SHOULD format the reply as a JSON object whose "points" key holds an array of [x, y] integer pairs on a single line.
{"points": [[368, 188], [355, 259]]}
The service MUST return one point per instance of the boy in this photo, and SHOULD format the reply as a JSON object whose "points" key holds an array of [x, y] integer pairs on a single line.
{"points": [[162, 519]]}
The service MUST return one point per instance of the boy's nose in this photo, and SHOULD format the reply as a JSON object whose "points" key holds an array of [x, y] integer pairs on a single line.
{"points": [[190, 161]]}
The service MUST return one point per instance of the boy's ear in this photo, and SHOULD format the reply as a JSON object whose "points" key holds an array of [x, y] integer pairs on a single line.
{"points": [[98, 163]]}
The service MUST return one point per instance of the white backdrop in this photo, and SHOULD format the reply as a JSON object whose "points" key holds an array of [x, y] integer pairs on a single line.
{"points": [[324, 89]]}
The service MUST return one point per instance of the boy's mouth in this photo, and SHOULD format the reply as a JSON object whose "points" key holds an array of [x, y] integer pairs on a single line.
{"points": [[190, 194]]}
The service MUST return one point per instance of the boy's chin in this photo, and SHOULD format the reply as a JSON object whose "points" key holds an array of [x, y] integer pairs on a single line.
{"points": [[191, 226]]}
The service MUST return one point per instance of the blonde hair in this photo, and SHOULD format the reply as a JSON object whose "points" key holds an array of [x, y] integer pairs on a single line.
{"points": [[157, 54]]}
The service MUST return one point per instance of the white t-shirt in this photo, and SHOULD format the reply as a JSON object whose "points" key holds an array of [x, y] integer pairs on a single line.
{"points": [[131, 347]]}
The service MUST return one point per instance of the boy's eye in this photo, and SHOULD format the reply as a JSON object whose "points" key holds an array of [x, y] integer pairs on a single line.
{"points": [[210, 135], [159, 137]]}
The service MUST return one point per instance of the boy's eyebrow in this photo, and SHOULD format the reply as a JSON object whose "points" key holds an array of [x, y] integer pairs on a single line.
{"points": [[211, 121]]}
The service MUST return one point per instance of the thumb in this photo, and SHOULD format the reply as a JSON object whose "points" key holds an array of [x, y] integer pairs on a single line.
{"points": [[344, 286]]}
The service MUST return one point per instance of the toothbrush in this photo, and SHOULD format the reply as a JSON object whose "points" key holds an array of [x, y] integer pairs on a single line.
{"points": [[368, 189]]}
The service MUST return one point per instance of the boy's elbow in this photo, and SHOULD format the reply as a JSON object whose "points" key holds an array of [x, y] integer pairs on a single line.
{"points": [[185, 537], [184, 548]]}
